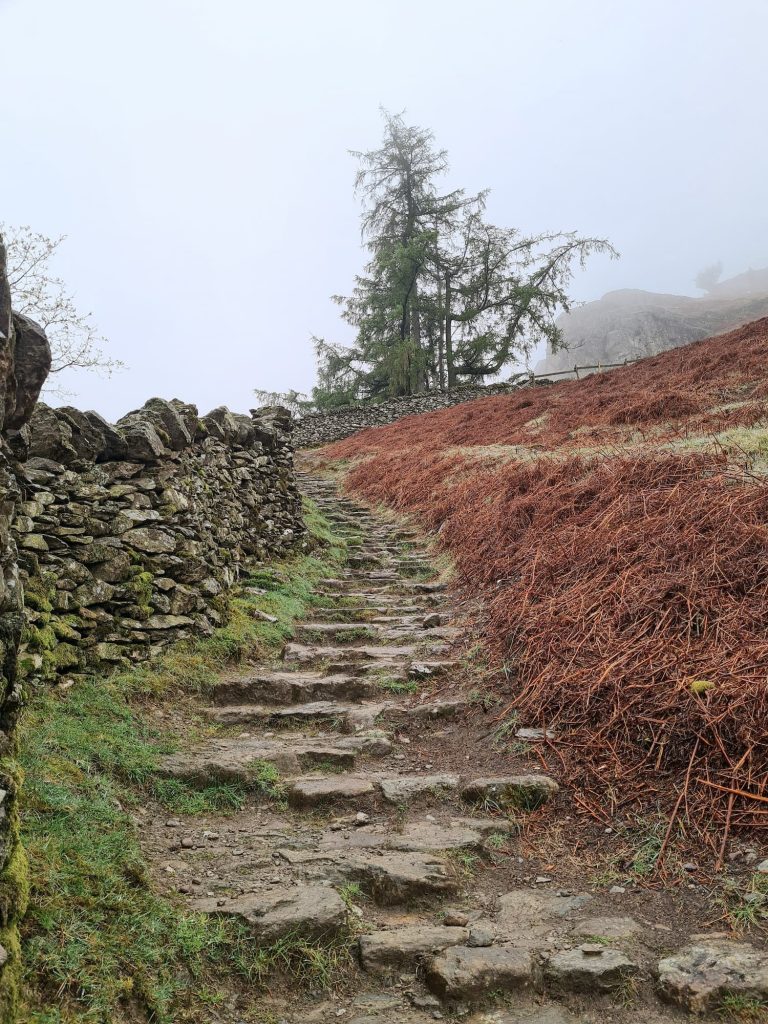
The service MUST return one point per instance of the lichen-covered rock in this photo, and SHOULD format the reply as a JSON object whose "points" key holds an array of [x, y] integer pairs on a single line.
{"points": [[521, 792], [699, 977]]}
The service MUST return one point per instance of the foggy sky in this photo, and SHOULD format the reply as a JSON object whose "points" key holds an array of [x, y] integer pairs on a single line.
{"points": [[195, 153]]}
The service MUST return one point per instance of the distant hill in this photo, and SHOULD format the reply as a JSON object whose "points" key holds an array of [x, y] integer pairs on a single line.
{"points": [[631, 323]]}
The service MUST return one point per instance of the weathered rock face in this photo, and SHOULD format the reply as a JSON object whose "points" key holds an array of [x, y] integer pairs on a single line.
{"points": [[129, 535], [24, 363], [632, 324]]}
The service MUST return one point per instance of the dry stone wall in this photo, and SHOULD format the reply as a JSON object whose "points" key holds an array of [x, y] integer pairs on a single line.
{"points": [[129, 535], [25, 360], [318, 428]]}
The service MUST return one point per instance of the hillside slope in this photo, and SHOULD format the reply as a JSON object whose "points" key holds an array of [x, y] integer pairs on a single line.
{"points": [[616, 529], [630, 323]]}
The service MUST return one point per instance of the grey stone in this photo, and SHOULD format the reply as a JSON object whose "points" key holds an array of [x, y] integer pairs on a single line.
{"points": [[698, 977], [464, 973], [401, 790], [608, 927], [523, 792], [406, 947], [310, 912], [31, 365], [526, 915], [587, 970], [151, 540]]}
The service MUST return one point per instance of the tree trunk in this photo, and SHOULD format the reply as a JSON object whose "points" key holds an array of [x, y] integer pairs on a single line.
{"points": [[449, 333], [417, 372]]}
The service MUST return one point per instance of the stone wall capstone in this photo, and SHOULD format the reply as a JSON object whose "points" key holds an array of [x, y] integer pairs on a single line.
{"points": [[25, 360], [129, 535], [317, 428]]}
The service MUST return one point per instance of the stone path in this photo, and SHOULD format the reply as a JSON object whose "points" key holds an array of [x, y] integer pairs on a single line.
{"points": [[354, 839]]}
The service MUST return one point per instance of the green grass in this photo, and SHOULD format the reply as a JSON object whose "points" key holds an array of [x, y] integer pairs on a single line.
{"points": [[743, 1008], [745, 902], [398, 685], [99, 945]]}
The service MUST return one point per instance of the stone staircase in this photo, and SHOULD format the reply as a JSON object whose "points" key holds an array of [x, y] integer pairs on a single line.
{"points": [[356, 840]]}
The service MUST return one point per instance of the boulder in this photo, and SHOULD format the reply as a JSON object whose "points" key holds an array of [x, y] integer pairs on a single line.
{"points": [[168, 422], [590, 968], [700, 976], [112, 444], [308, 912], [405, 947], [51, 436], [32, 363], [463, 972], [143, 443], [521, 792]]}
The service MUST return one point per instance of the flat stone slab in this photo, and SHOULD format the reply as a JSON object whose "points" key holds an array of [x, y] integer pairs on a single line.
{"points": [[291, 688], [325, 711], [521, 792], [608, 927], [235, 760], [698, 977], [404, 789], [312, 911], [387, 878], [464, 972], [417, 836], [406, 947], [526, 915], [312, 792], [307, 655], [526, 1015], [598, 970]]}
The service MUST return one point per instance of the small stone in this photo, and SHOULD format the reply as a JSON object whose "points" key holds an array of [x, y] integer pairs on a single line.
{"points": [[187, 843], [481, 935], [617, 890], [456, 919], [210, 835], [591, 948], [173, 823], [762, 867]]}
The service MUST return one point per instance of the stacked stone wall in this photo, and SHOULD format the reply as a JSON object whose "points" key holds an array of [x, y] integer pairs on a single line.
{"points": [[130, 535], [318, 428], [25, 360]]}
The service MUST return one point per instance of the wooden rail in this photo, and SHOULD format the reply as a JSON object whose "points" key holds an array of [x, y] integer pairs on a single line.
{"points": [[575, 369]]}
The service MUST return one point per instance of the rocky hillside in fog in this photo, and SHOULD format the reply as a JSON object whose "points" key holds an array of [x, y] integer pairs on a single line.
{"points": [[630, 323]]}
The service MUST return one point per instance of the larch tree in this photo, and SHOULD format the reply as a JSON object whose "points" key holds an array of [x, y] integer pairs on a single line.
{"points": [[445, 297]]}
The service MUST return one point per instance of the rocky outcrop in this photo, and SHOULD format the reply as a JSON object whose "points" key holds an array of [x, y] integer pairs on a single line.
{"points": [[633, 324], [130, 535], [25, 359]]}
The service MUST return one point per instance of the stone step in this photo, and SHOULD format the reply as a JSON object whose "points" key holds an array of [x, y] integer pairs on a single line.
{"points": [[368, 790], [304, 654], [334, 714], [387, 878], [292, 688], [241, 759], [392, 950], [314, 912], [371, 789], [340, 632], [418, 836]]}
